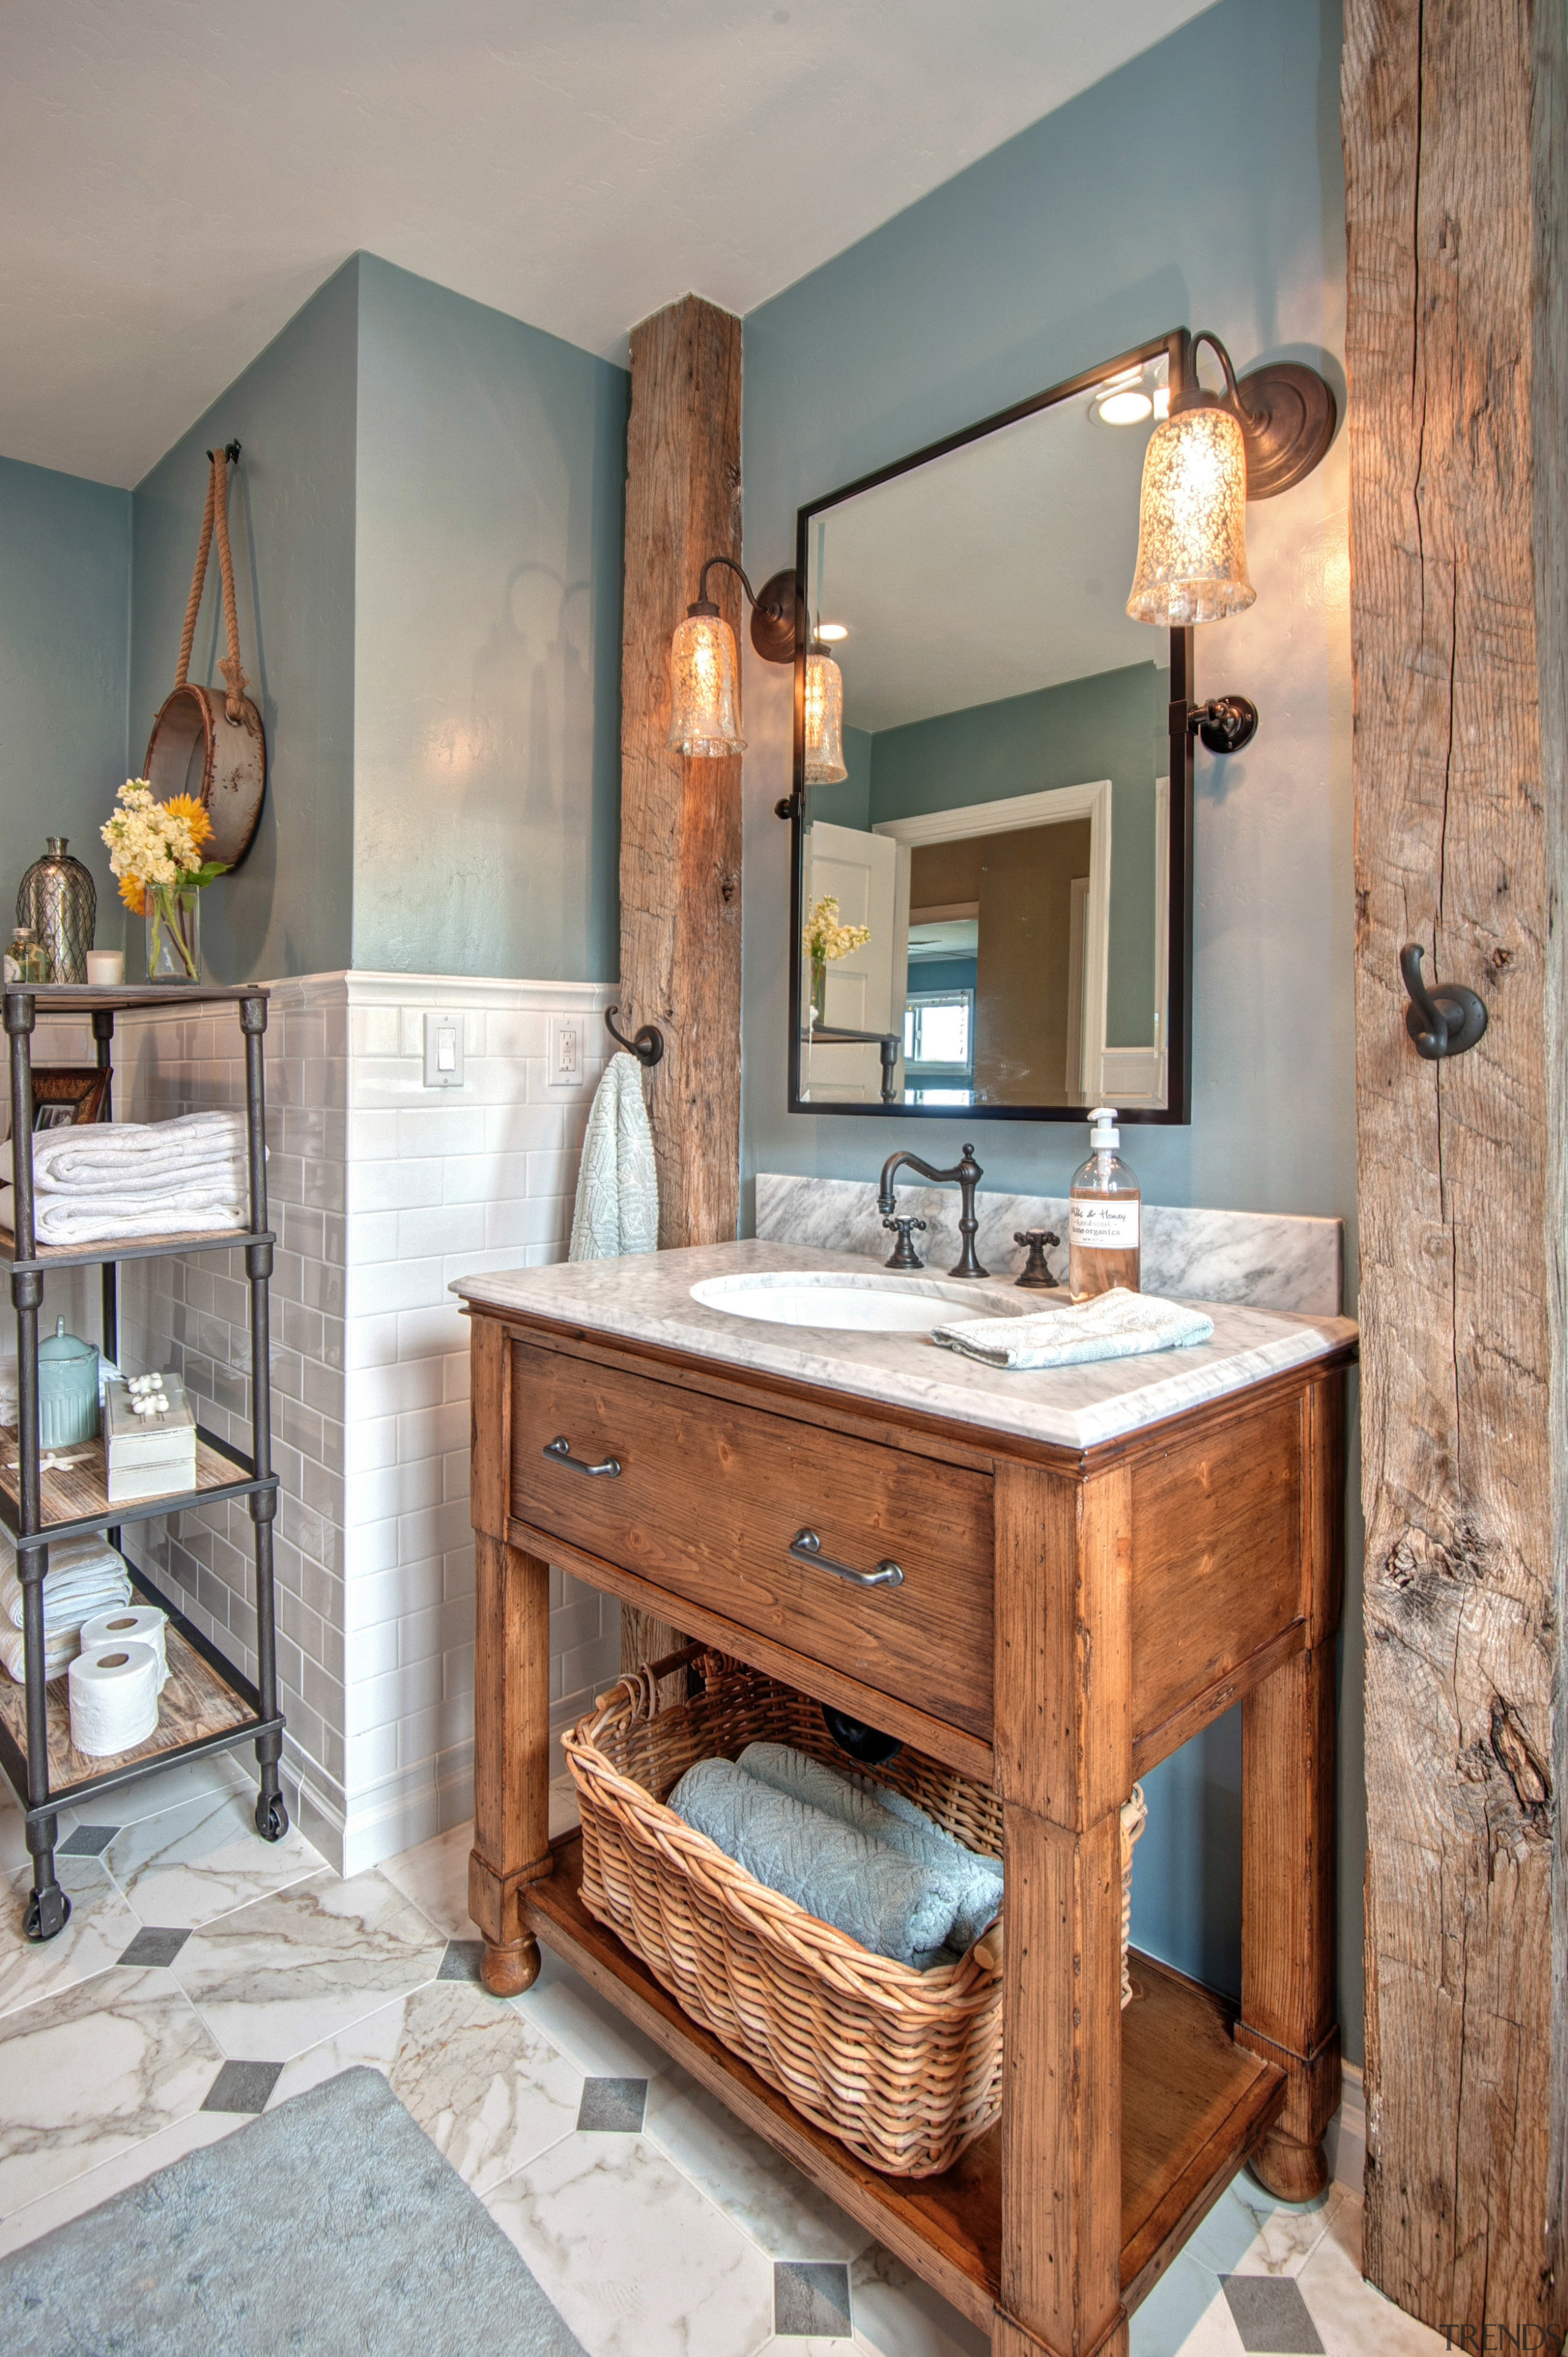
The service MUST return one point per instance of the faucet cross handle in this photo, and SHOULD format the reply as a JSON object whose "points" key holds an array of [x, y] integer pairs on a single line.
{"points": [[1035, 1240], [904, 1255]]}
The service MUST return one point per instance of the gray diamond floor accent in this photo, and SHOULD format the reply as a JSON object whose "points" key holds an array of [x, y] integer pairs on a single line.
{"points": [[462, 1959], [154, 1944], [242, 2087], [1271, 2316], [613, 2106], [88, 1841], [811, 2296]]}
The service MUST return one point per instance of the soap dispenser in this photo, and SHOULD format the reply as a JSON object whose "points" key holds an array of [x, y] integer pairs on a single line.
{"points": [[1104, 1215]]}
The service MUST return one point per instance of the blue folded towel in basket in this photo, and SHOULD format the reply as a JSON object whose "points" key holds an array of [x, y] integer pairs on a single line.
{"points": [[916, 1909]]}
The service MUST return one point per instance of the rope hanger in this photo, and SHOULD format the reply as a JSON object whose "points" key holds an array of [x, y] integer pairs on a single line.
{"points": [[216, 513]]}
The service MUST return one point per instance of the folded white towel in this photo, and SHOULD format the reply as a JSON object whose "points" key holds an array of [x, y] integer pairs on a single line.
{"points": [[177, 1209], [617, 1209], [115, 1155], [85, 1576], [1114, 1325], [59, 1654]]}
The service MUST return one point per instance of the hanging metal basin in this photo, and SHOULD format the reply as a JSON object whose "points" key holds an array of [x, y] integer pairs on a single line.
{"points": [[196, 748]]}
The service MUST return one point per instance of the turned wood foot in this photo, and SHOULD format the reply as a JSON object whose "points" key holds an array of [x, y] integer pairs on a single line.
{"points": [[507, 1971], [1290, 2171]]}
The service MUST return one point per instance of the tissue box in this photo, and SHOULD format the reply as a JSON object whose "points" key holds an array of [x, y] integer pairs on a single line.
{"points": [[148, 1455]]}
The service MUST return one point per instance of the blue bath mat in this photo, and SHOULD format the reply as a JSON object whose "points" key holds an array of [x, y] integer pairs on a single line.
{"points": [[331, 2227]]}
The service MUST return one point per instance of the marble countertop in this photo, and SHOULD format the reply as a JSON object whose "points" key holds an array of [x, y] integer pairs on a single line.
{"points": [[648, 1298]]}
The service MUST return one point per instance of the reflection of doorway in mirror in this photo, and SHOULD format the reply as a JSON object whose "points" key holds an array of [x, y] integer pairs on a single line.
{"points": [[865, 989], [1038, 1033], [1135, 1076]]}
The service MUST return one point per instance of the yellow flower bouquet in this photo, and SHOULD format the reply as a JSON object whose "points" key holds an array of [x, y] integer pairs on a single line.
{"points": [[826, 939], [154, 851]]}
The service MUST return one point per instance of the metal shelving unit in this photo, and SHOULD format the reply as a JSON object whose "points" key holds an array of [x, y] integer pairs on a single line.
{"points": [[208, 1704]]}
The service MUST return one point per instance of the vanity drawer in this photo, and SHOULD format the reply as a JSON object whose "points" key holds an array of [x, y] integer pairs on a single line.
{"points": [[709, 1497]]}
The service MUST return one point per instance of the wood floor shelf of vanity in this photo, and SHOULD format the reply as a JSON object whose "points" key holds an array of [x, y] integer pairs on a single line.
{"points": [[1193, 2106]]}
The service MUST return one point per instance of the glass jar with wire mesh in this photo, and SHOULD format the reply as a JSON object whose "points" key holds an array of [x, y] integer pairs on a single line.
{"points": [[58, 899]]}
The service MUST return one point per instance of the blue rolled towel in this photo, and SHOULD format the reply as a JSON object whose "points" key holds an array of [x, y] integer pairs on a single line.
{"points": [[892, 1819], [892, 1905]]}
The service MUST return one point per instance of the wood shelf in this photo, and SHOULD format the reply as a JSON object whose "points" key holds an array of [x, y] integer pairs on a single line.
{"points": [[1194, 2104], [78, 1496], [133, 1247], [122, 997], [196, 1703]]}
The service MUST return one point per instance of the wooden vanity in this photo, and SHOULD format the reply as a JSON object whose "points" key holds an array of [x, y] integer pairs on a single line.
{"points": [[1068, 1617]]}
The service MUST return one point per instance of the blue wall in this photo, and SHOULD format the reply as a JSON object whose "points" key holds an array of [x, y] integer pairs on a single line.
{"points": [[491, 482], [288, 909], [1085, 235], [65, 595]]}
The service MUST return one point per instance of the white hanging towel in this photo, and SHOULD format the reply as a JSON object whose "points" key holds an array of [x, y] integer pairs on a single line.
{"points": [[617, 1185]]}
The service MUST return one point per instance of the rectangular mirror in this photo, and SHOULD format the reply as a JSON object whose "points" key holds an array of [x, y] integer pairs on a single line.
{"points": [[993, 875]]}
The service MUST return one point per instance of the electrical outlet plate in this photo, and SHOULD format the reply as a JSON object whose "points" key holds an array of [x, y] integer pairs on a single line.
{"points": [[443, 1052], [563, 1056]]}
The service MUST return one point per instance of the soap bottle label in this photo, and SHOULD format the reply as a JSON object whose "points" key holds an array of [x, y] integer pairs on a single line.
{"points": [[1103, 1222]]}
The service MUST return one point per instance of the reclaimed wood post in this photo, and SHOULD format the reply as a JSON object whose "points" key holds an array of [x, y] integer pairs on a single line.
{"points": [[1063, 1766], [1456, 118], [680, 820]]}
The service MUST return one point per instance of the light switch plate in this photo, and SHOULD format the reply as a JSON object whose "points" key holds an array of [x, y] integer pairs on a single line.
{"points": [[443, 1052], [563, 1055]]}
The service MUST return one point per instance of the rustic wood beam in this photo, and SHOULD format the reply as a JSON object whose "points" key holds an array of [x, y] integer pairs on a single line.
{"points": [[680, 820], [1455, 119]]}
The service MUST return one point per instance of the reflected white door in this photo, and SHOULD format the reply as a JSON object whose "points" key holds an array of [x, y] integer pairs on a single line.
{"points": [[867, 990]]}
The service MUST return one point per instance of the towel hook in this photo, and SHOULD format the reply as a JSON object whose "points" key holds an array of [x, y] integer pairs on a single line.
{"points": [[647, 1046], [1443, 1020]]}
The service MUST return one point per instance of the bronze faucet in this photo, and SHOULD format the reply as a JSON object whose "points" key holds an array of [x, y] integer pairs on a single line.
{"points": [[968, 1173]]}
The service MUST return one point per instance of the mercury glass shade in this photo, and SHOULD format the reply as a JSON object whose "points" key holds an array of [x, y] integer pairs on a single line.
{"points": [[1192, 522], [824, 722], [705, 704]]}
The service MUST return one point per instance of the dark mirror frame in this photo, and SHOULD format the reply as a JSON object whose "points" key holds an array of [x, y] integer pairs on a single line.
{"points": [[1176, 1112]]}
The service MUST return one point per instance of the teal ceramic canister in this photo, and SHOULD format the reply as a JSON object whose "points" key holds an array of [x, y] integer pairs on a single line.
{"points": [[67, 1390]]}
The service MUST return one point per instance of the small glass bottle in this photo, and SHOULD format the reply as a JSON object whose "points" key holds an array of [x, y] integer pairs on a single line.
{"points": [[1104, 1216], [25, 959]]}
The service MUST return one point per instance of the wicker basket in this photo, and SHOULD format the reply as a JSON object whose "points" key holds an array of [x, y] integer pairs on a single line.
{"points": [[904, 2067]]}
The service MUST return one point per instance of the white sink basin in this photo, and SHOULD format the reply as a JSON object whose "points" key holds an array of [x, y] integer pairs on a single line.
{"points": [[873, 1304]]}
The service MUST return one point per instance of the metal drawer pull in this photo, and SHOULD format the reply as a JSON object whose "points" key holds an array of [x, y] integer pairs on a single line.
{"points": [[807, 1547], [560, 1449]]}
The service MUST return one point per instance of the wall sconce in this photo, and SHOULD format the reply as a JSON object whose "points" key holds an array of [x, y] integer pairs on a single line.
{"points": [[1213, 453], [825, 718], [704, 676]]}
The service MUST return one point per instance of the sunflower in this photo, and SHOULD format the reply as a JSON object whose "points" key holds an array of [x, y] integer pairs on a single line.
{"points": [[134, 895], [187, 807]]}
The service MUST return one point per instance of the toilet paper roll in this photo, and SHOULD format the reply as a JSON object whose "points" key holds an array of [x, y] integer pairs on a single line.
{"points": [[113, 1694], [130, 1624]]}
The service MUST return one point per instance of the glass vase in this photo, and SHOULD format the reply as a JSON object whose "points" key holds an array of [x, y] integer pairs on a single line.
{"points": [[174, 934], [59, 900], [819, 990]]}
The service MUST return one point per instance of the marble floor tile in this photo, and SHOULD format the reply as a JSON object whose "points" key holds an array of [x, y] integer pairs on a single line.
{"points": [[130, 2167], [898, 2315], [204, 1859], [172, 1787], [1352, 2318], [811, 2299], [1186, 2315], [486, 2088], [102, 1927], [586, 2027], [807, 2344], [639, 2262], [1249, 2233], [87, 2073], [748, 2180], [435, 1876], [301, 1964]]}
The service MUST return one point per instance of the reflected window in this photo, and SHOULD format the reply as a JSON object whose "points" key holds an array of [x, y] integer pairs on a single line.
{"points": [[938, 1035]]}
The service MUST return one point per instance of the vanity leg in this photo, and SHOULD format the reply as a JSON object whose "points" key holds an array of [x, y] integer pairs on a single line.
{"points": [[1287, 1912], [511, 1757], [1063, 1750]]}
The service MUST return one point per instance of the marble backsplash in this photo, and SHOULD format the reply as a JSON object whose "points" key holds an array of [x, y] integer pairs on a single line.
{"points": [[1267, 1259]]}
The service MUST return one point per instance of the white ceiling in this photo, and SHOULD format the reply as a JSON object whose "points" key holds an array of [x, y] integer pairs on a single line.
{"points": [[178, 176], [1001, 568]]}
